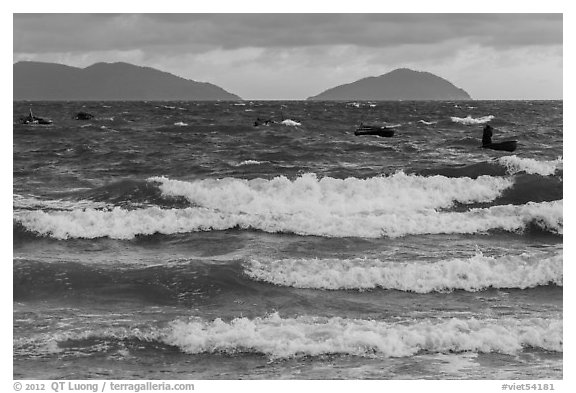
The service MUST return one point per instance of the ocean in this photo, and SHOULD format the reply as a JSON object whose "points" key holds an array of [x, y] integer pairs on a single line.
{"points": [[177, 240]]}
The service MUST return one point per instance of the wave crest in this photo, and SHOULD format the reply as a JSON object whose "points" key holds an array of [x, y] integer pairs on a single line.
{"points": [[279, 337], [469, 120], [472, 274], [397, 193], [119, 223], [515, 164], [313, 336]]}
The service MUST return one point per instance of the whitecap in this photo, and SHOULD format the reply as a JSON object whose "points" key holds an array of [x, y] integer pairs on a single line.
{"points": [[469, 120], [515, 164], [289, 122]]}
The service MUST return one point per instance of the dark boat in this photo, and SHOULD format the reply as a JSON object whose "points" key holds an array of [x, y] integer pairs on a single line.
{"points": [[83, 116], [31, 119], [504, 146], [374, 130]]}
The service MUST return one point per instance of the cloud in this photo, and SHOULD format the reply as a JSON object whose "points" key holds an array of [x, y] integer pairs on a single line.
{"points": [[293, 56], [204, 32]]}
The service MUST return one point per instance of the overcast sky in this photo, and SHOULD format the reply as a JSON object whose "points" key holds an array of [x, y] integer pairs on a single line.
{"points": [[294, 56]]}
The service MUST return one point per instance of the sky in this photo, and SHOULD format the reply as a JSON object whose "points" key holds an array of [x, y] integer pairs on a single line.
{"points": [[287, 56]]}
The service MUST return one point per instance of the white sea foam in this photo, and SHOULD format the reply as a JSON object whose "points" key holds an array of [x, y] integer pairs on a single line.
{"points": [[391, 206], [30, 202], [515, 164], [119, 223], [394, 194], [250, 162], [428, 123], [48, 343], [279, 337], [469, 120], [472, 274], [312, 336], [290, 123]]}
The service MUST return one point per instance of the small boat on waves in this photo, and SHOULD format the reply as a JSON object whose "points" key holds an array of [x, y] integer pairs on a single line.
{"points": [[504, 146], [374, 130], [31, 119]]}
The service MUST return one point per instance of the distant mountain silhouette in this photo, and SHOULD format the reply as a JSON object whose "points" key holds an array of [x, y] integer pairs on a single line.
{"points": [[107, 82], [400, 84]]}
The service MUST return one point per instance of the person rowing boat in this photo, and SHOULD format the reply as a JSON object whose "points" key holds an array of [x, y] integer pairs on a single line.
{"points": [[488, 144]]}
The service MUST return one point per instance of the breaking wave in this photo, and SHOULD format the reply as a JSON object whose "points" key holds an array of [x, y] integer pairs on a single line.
{"points": [[29, 202], [119, 223], [473, 274], [279, 337], [344, 197], [313, 336], [391, 206], [469, 120], [515, 164]]}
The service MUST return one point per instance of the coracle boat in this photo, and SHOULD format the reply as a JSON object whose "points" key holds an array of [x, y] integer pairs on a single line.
{"points": [[374, 130]]}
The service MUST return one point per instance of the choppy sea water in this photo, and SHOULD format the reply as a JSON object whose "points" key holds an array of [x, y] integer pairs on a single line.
{"points": [[179, 241]]}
